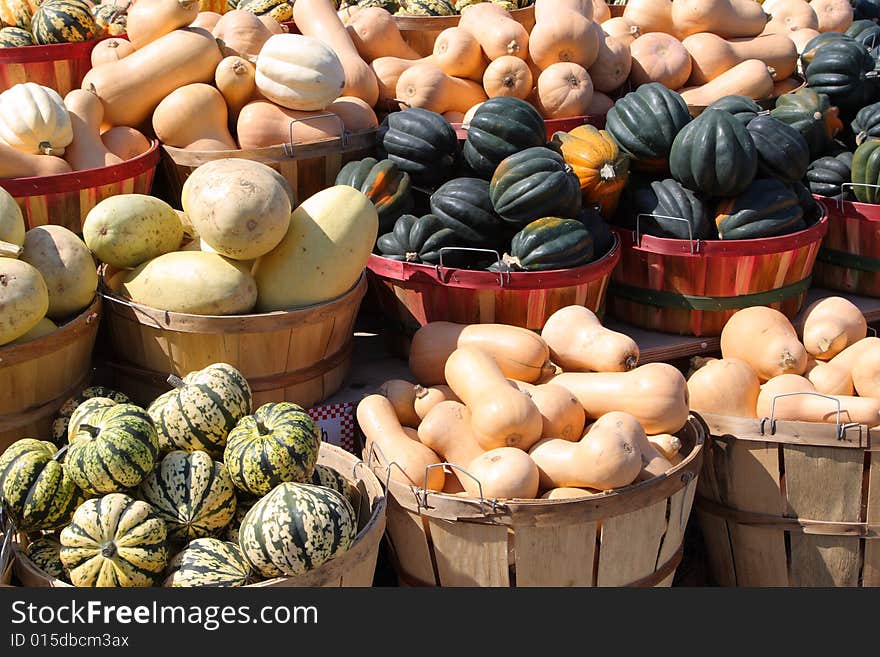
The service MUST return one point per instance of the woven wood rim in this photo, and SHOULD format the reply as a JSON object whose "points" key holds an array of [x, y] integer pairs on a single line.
{"points": [[849, 260]]}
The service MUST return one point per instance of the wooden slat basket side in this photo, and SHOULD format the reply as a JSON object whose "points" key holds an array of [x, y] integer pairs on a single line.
{"points": [[792, 505], [632, 536]]}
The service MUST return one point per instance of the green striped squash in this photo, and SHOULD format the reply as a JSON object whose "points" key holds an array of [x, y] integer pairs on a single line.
{"points": [[17, 13], [200, 413], [114, 540], [15, 37], [209, 562], [45, 552], [63, 21], [111, 19], [192, 493], [36, 490], [296, 528], [280, 10], [276, 444], [62, 419], [243, 504], [113, 449], [84, 410], [329, 478]]}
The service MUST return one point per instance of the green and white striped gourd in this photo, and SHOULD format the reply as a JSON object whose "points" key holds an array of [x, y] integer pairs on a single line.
{"points": [[243, 504], [45, 552], [114, 449], [85, 409], [295, 529], [200, 413], [329, 478], [36, 489], [278, 443], [192, 493], [60, 434], [114, 540], [209, 562]]}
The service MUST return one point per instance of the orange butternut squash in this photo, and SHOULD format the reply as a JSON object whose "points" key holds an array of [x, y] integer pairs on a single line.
{"points": [[503, 473], [207, 20], [458, 53], [622, 29], [507, 76], [601, 11], [561, 413], [18, 164], [426, 86], [790, 16], [125, 142], [547, 10], [567, 37], [193, 116], [660, 57], [428, 398], [402, 395], [234, 78], [711, 55], [812, 408], [356, 115], [830, 325], [612, 66], [579, 343], [568, 493], [654, 462], [242, 33], [86, 151], [446, 429], [497, 33], [667, 444], [453, 116], [388, 71], [656, 394], [866, 375], [374, 34], [262, 124], [750, 78], [833, 15], [801, 38], [147, 20], [766, 340], [650, 15], [726, 18], [728, 386], [782, 87], [835, 376], [501, 415], [110, 50], [272, 25], [563, 90]]}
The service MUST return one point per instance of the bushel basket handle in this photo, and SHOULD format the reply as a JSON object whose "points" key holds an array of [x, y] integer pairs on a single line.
{"points": [[288, 149], [424, 500], [839, 200], [695, 245], [439, 267], [841, 427]]}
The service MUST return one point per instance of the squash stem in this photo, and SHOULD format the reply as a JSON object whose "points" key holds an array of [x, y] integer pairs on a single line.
{"points": [[9, 250], [607, 172], [176, 381], [108, 550], [261, 427], [89, 429]]}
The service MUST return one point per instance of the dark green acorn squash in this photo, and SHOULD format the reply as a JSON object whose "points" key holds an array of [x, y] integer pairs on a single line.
{"points": [[866, 124], [499, 128], [866, 32], [15, 37], [865, 9], [419, 240], [767, 208], [812, 210], [384, 184], [742, 108], [816, 43], [675, 209], [811, 114], [603, 237], [550, 243], [866, 169], [532, 184], [782, 151], [63, 21], [645, 122], [826, 175], [421, 143], [464, 205], [714, 155], [839, 70]]}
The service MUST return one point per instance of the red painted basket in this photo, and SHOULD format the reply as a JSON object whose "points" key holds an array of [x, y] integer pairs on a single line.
{"points": [[61, 66], [693, 287], [849, 259], [66, 198]]}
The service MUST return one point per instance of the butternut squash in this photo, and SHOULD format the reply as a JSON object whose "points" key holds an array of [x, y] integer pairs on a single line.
{"points": [[374, 34], [453, 116], [567, 37], [428, 398], [124, 142], [835, 375], [766, 340], [503, 473], [601, 11], [711, 55], [667, 444], [612, 65], [866, 375], [356, 115], [388, 71], [607, 457], [147, 20], [426, 86], [520, 353], [501, 415], [833, 15], [549, 9], [750, 78], [563, 90], [801, 38], [207, 20], [458, 53], [622, 29], [446, 429], [726, 18], [317, 18], [402, 395], [650, 15], [830, 325], [561, 413], [406, 458], [272, 25], [86, 151], [659, 57], [725, 387], [133, 87], [234, 78], [579, 343], [790, 16], [656, 394], [812, 408], [654, 462], [195, 113], [110, 50], [497, 33], [18, 164], [568, 493], [507, 76], [241, 33], [262, 124], [786, 86]]}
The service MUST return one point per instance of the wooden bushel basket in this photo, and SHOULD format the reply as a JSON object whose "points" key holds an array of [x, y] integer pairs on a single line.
{"points": [[849, 259], [790, 503], [300, 355], [693, 287], [631, 536], [38, 376], [60, 66], [66, 198]]}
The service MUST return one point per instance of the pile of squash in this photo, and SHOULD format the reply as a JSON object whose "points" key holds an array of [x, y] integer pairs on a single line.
{"points": [[30, 23], [564, 414], [198, 489], [792, 370], [429, 7]]}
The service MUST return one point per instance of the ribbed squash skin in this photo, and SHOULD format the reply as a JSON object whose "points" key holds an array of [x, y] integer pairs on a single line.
{"points": [[421, 143], [84, 410], [534, 183], [811, 114], [768, 207], [114, 449], [192, 493], [645, 123], [499, 128], [45, 552], [200, 414], [826, 175], [866, 169], [17, 13], [242, 506], [714, 155], [280, 10], [63, 21], [866, 32], [865, 9], [36, 491], [866, 124], [465, 206], [62, 419], [783, 152], [15, 37], [838, 69], [551, 243], [669, 202], [429, 8], [742, 108], [114, 540], [295, 529], [329, 478], [817, 43], [419, 240], [110, 19], [278, 443], [384, 184], [209, 562]]}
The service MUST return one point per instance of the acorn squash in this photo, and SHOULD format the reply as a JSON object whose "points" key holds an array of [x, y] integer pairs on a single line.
{"points": [[550, 243], [464, 205], [811, 114], [783, 152], [767, 208], [866, 170], [741, 107], [839, 70], [421, 143], [384, 184], [866, 124], [678, 212], [418, 240], [866, 32], [826, 175], [813, 46]]}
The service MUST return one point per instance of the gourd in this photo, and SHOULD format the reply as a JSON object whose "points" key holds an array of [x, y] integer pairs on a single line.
{"points": [[427, 87], [17, 13], [125, 143], [712, 56], [564, 89], [209, 562], [110, 50], [63, 21], [650, 15], [766, 340], [579, 343], [402, 395], [278, 443], [567, 36], [655, 394], [608, 456], [727, 386], [768, 207], [418, 239], [550, 243], [827, 175], [112, 541], [497, 33], [330, 478], [613, 64], [262, 124], [866, 171], [464, 205], [503, 473], [833, 15], [384, 184], [750, 78], [236, 81], [835, 375], [192, 493], [830, 325], [659, 57], [791, 16], [783, 153], [356, 115], [374, 33], [421, 143], [561, 413], [15, 37], [317, 19], [184, 56], [866, 374], [501, 127], [61, 423], [428, 398], [501, 415], [726, 18], [147, 20], [811, 408], [380, 426], [507, 76], [86, 150], [33, 119], [242, 33], [446, 429], [24, 297], [195, 117], [300, 72], [521, 354]]}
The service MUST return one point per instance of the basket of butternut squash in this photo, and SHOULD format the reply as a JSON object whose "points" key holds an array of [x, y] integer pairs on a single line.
{"points": [[788, 473], [520, 459]]}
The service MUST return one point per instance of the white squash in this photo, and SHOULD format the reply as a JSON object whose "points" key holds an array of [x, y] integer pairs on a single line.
{"points": [[11, 222], [34, 119], [299, 72], [23, 297]]}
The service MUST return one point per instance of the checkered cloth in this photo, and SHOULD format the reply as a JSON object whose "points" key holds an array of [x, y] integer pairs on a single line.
{"points": [[337, 422]]}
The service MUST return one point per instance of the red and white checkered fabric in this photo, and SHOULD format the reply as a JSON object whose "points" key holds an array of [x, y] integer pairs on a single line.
{"points": [[337, 420]]}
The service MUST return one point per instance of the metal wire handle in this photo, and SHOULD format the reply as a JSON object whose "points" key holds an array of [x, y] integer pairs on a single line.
{"points": [[6, 548], [695, 247], [841, 427], [872, 330], [142, 309], [288, 149], [840, 200], [424, 501], [440, 265]]}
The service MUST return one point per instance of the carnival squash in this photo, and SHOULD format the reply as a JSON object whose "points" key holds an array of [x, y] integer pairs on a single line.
{"points": [[765, 339], [659, 57], [579, 343], [830, 325]]}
